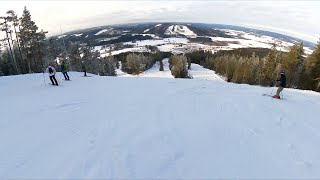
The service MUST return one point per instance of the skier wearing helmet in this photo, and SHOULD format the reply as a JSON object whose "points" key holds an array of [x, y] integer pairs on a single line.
{"points": [[282, 84]]}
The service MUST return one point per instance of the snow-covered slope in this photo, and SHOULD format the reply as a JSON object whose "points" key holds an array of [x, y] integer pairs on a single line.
{"points": [[102, 31], [180, 29], [196, 72], [147, 128], [175, 45]]}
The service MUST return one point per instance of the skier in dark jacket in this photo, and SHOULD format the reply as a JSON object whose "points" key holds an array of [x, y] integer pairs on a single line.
{"points": [[64, 70], [282, 84], [84, 69]]}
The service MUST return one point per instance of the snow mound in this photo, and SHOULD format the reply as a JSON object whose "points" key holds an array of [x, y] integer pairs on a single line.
{"points": [[158, 25], [180, 29], [102, 31], [62, 36], [155, 128], [78, 35], [146, 30]]}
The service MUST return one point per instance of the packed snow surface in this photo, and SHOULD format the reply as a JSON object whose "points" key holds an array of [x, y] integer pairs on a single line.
{"points": [[196, 72], [147, 128]]}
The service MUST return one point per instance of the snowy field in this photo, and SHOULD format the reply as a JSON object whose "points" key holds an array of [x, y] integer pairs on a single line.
{"points": [[136, 127], [179, 45]]}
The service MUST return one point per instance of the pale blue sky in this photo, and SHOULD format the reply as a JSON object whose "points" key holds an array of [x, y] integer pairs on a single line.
{"points": [[296, 18]]}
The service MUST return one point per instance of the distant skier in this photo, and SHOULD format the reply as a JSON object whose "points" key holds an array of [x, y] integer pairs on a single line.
{"points": [[64, 70], [52, 75], [282, 84], [84, 68]]}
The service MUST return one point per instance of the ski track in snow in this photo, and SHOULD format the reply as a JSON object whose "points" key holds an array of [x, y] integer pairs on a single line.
{"points": [[150, 127]]}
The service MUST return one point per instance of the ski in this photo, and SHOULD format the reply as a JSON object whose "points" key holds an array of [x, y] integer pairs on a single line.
{"points": [[54, 85], [268, 95]]}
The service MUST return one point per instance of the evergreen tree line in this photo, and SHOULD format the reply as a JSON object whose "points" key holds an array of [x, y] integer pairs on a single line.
{"points": [[81, 57], [179, 65], [25, 49], [22, 46], [135, 63], [302, 72]]}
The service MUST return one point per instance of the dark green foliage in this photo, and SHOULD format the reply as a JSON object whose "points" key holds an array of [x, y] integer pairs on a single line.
{"points": [[178, 66], [109, 66], [198, 57], [311, 71], [262, 69], [148, 62], [31, 42], [28, 47], [136, 63], [203, 40], [123, 38]]}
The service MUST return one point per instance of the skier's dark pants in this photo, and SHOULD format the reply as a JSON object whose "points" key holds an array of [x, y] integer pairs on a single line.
{"points": [[53, 80], [85, 73], [66, 76]]}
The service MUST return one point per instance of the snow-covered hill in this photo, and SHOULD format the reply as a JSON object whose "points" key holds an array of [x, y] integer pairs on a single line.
{"points": [[239, 39], [147, 128], [180, 29], [179, 38]]}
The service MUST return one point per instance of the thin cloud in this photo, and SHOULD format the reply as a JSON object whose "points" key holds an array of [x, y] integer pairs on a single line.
{"points": [[298, 18], [284, 31]]}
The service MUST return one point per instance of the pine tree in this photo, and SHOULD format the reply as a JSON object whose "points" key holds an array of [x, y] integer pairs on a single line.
{"points": [[13, 18], [133, 63], [292, 64], [161, 65], [189, 63], [7, 30], [92, 60], [109, 64], [30, 39], [312, 70], [178, 65], [269, 69], [74, 52]]}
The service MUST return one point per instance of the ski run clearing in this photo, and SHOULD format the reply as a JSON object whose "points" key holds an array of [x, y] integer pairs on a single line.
{"points": [[155, 128]]}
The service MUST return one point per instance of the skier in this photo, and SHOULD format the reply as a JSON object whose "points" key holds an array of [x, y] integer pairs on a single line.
{"points": [[52, 72], [64, 70], [84, 69], [282, 84]]}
